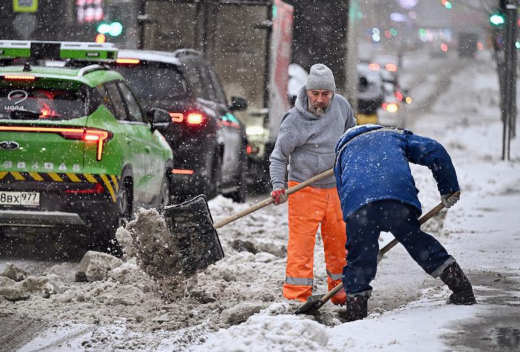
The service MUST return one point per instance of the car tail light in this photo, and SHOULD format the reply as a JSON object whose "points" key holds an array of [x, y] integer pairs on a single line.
{"points": [[88, 135], [97, 189], [252, 149], [128, 61], [191, 119], [100, 137], [373, 66], [391, 67], [183, 172], [19, 77], [194, 119], [390, 107]]}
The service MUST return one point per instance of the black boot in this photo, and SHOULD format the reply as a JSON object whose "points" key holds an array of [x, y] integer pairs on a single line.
{"points": [[454, 277], [357, 308]]}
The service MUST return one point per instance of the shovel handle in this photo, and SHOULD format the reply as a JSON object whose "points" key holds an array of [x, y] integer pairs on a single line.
{"points": [[270, 200], [422, 220]]}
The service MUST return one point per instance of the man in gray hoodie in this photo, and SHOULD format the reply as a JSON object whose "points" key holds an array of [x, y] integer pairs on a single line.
{"points": [[306, 141]]}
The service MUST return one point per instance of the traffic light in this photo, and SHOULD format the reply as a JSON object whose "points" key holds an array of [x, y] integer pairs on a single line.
{"points": [[447, 4], [114, 29], [497, 19]]}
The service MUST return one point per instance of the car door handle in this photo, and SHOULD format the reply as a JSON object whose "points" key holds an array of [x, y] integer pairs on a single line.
{"points": [[147, 149]]}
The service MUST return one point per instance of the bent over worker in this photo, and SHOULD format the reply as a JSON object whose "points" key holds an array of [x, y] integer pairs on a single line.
{"points": [[377, 192], [308, 134]]}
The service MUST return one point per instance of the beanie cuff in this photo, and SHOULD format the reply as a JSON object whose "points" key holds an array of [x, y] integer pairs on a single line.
{"points": [[320, 84]]}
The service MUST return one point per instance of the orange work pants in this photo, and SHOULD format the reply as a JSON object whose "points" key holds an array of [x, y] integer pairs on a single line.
{"points": [[307, 209]]}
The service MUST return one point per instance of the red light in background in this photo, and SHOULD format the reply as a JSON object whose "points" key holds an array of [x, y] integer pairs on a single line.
{"points": [[195, 118], [177, 116], [390, 107], [101, 38], [182, 172], [373, 66], [480, 46], [444, 47], [98, 189], [399, 96], [391, 67]]}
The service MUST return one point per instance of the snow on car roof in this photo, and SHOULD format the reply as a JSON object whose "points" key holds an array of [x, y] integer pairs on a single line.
{"points": [[149, 55]]}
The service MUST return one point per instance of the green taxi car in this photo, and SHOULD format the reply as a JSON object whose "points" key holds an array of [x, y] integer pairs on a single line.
{"points": [[77, 152]]}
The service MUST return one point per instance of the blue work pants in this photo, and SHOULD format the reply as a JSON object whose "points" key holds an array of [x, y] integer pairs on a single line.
{"points": [[365, 226]]}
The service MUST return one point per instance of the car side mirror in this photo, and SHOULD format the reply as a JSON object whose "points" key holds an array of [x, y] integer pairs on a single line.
{"points": [[238, 103], [159, 119]]}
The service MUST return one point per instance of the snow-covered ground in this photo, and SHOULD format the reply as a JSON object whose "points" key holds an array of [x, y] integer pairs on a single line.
{"points": [[236, 304]]}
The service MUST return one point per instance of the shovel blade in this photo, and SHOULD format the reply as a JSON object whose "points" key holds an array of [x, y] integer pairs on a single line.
{"points": [[191, 225], [312, 305]]}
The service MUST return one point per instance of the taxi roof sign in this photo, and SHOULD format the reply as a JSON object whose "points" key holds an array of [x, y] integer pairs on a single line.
{"points": [[80, 51]]}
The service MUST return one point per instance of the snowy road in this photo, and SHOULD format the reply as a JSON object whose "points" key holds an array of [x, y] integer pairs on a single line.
{"points": [[236, 304]]}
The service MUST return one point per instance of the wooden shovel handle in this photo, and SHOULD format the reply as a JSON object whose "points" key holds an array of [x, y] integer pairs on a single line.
{"points": [[422, 220], [270, 200]]}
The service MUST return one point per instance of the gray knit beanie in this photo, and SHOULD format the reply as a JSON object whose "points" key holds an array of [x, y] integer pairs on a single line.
{"points": [[320, 77]]}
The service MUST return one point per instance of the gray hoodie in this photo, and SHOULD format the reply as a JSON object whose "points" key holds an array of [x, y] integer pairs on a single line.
{"points": [[306, 142]]}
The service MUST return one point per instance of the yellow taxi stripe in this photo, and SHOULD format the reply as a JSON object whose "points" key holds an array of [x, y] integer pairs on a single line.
{"points": [[90, 178], [114, 181], [73, 177], [2, 174], [55, 177], [36, 176], [109, 186], [17, 176]]}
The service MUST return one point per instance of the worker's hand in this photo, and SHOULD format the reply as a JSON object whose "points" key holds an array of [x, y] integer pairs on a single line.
{"points": [[279, 196], [449, 200]]}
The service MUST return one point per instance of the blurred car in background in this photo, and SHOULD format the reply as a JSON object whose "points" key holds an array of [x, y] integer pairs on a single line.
{"points": [[394, 96], [370, 94], [209, 142]]}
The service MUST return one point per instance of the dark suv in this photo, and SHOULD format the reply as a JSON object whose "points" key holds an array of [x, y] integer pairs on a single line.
{"points": [[209, 141]]}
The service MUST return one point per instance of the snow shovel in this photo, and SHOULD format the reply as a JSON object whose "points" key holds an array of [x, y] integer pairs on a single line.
{"points": [[315, 302], [191, 225]]}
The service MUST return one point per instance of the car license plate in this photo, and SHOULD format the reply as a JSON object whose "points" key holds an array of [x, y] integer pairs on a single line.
{"points": [[20, 198]]}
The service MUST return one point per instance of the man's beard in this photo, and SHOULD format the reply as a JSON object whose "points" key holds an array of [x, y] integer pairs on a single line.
{"points": [[318, 111]]}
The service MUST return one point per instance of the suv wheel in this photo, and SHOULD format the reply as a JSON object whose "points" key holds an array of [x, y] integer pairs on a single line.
{"points": [[124, 202], [240, 194], [165, 191], [106, 241], [212, 185]]}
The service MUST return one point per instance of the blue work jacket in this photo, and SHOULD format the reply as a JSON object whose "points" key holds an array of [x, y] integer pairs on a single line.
{"points": [[372, 163]]}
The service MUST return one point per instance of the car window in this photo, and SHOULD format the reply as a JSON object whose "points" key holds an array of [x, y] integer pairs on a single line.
{"points": [[134, 110], [208, 84], [20, 102], [194, 79], [117, 101], [155, 83], [105, 99], [217, 86]]}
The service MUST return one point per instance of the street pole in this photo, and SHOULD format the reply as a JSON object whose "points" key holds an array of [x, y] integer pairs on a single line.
{"points": [[510, 77]]}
